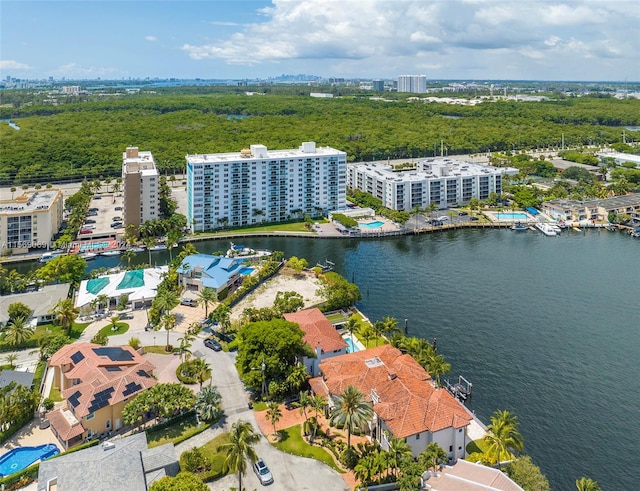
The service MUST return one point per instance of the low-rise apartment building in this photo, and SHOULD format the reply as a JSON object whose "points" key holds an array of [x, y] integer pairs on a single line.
{"points": [[260, 185], [442, 181], [593, 209], [140, 187], [30, 221]]}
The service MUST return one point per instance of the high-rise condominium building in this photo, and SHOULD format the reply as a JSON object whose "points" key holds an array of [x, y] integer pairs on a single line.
{"points": [[140, 184], [416, 84], [30, 221], [256, 185], [442, 181]]}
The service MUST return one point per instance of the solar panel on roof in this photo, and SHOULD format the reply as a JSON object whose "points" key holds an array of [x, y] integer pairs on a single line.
{"points": [[114, 369], [142, 373], [77, 357], [114, 353], [101, 399], [131, 388], [73, 399]]}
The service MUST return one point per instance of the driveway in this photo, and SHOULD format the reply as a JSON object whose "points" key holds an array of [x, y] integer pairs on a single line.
{"points": [[290, 472]]}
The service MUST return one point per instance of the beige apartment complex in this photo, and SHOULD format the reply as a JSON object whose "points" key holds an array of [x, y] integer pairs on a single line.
{"points": [[140, 182], [30, 221]]}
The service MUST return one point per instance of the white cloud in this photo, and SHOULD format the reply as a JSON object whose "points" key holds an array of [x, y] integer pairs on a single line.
{"points": [[13, 65], [452, 35], [74, 70], [150, 38]]}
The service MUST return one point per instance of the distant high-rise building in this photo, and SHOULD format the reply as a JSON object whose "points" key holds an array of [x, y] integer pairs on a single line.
{"points": [[378, 85], [140, 185], [416, 84]]}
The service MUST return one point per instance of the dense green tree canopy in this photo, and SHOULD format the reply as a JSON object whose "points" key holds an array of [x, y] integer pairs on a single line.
{"points": [[184, 481], [527, 475], [277, 342]]}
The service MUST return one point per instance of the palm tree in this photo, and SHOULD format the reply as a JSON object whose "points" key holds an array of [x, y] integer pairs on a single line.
{"points": [[10, 359], [352, 326], [502, 437], [202, 370], [318, 404], [206, 297], [303, 402], [208, 404], [103, 298], [242, 438], [378, 328], [172, 238], [65, 313], [18, 331], [222, 315], [168, 322], [274, 413], [432, 456], [185, 344], [587, 484], [367, 334], [397, 449], [436, 366], [390, 326], [351, 410], [165, 301], [128, 255]]}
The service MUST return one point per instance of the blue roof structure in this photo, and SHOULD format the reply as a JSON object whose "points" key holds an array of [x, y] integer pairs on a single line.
{"points": [[216, 271]]}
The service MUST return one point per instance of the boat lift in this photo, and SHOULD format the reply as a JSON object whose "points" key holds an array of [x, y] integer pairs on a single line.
{"points": [[462, 390]]}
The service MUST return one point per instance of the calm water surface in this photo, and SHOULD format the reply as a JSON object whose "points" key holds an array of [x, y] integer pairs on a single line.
{"points": [[547, 327]]}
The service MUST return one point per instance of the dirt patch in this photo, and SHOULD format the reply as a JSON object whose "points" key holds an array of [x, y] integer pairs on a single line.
{"points": [[306, 284]]}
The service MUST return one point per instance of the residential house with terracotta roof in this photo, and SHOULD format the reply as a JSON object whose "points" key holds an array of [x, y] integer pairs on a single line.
{"points": [[405, 401], [96, 381], [468, 476], [320, 335]]}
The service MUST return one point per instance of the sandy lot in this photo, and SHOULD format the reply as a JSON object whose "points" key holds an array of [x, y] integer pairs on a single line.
{"points": [[306, 284]]}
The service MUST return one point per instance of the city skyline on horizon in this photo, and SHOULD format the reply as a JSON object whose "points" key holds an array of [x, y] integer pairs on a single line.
{"points": [[587, 40]]}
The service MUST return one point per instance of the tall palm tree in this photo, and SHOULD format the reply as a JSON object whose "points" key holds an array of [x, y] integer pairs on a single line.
{"points": [[436, 366], [202, 370], [209, 404], [207, 296], [222, 315], [351, 409], [587, 484], [378, 328], [390, 326], [352, 326], [503, 437], [242, 438], [65, 313], [168, 322], [128, 255], [185, 344], [397, 449], [303, 402], [367, 333], [103, 299], [274, 413], [165, 301], [18, 331], [432, 456]]}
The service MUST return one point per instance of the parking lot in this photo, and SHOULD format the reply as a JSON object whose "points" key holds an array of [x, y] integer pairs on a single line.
{"points": [[102, 213]]}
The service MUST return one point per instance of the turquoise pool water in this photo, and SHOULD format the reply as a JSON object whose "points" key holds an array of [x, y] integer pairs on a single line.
{"points": [[376, 224], [246, 271], [511, 216], [94, 245], [351, 348], [22, 457]]}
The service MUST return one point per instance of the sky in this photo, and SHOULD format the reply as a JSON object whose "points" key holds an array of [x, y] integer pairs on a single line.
{"points": [[256, 39]]}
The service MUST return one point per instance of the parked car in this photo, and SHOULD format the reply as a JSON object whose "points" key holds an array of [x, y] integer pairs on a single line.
{"points": [[97, 197], [92, 213], [436, 223], [473, 219], [116, 225], [118, 208], [116, 219], [263, 472], [125, 315], [442, 218], [214, 345], [89, 221], [93, 210], [462, 213], [190, 302], [85, 231]]}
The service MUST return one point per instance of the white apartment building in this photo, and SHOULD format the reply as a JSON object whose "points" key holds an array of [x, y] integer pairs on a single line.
{"points": [[416, 84], [140, 186], [442, 181], [30, 221], [256, 185]]}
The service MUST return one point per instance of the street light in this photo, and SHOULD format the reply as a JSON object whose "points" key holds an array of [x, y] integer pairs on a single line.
{"points": [[154, 340]]}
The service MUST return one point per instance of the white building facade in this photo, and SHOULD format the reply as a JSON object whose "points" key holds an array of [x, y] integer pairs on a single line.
{"points": [[140, 184], [416, 84], [442, 181], [30, 221], [259, 185]]}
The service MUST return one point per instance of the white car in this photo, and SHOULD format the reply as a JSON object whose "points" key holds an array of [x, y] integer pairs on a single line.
{"points": [[263, 472]]}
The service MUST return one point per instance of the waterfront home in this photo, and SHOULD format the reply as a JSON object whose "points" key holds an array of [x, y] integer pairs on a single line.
{"points": [[593, 209], [469, 476], [199, 271], [320, 336], [405, 402], [124, 463], [97, 382]]}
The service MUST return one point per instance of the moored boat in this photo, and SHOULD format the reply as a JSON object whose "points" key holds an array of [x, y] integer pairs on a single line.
{"points": [[47, 256], [519, 227], [88, 256], [158, 247], [546, 229], [114, 252], [136, 249]]}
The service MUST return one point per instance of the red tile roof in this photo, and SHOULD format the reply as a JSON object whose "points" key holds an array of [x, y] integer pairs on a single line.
{"points": [[123, 375], [400, 389], [318, 331], [64, 429]]}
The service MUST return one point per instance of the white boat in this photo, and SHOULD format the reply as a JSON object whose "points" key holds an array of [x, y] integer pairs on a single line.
{"points": [[546, 229], [136, 249], [519, 227], [114, 252], [47, 256], [158, 247], [555, 227], [88, 256]]}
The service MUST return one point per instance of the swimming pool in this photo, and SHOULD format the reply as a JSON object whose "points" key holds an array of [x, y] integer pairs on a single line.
{"points": [[376, 224], [94, 245], [20, 458], [511, 216], [351, 348], [245, 271]]}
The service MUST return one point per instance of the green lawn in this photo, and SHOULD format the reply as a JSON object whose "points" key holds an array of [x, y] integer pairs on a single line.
{"points": [[476, 446], [55, 395], [274, 227], [158, 350], [122, 328], [292, 442], [210, 450], [175, 433]]}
